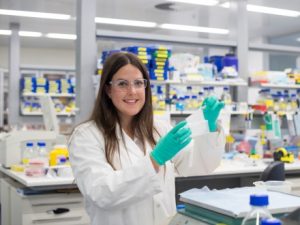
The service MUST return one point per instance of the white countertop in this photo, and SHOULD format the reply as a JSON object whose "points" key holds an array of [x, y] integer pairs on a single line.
{"points": [[241, 167], [37, 181], [227, 167]]}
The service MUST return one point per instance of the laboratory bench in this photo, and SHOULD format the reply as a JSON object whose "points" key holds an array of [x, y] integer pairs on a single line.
{"points": [[231, 174], [27, 200], [40, 200]]}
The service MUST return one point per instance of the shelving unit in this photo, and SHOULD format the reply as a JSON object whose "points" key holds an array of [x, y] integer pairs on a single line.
{"points": [[52, 75], [227, 82]]}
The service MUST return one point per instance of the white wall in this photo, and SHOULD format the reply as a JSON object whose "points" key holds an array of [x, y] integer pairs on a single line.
{"points": [[41, 57]]}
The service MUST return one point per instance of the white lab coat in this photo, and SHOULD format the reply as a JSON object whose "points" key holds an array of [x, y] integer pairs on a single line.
{"points": [[134, 194]]}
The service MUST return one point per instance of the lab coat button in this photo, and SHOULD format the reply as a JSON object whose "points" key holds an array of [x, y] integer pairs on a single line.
{"points": [[157, 205]]}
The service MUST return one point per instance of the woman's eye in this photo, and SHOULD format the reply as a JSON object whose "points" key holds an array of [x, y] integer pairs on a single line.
{"points": [[138, 83], [123, 84]]}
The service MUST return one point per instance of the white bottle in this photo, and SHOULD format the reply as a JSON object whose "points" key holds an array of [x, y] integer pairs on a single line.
{"points": [[43, 153], [28, 153], [259, 210]]}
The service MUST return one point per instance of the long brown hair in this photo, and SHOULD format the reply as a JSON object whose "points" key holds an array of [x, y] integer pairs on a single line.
{"points": [[105, 114]]}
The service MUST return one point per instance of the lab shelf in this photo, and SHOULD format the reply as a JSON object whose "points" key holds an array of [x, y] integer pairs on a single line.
{"points": [[282, 86], [184, 113], [48, 94], [227, 82], [40, 114]]}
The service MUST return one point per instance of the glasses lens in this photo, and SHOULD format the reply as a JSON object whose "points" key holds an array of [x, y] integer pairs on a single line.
{"points": [[140, 83], [122, 84]]}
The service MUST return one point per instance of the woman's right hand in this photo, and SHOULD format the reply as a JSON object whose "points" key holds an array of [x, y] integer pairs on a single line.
{"points": [[169, 145]]}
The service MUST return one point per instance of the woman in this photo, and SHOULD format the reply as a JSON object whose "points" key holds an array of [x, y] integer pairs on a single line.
{"points": [[124, 162]]}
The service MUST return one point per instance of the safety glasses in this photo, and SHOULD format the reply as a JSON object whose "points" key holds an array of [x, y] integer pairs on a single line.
{"points": [[124, 85]]}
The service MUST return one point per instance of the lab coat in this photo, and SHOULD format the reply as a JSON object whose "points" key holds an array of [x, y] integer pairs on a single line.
{"points": [[134, 193]]}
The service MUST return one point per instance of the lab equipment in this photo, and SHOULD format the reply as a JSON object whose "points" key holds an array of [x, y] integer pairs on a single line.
{"points": [[281, 154], [258, 211], [58, 155], [169, 145], [11, 143], [228, 206], [212, 108], [35, 168], [43, 153], [28, 153], [272, 221]]}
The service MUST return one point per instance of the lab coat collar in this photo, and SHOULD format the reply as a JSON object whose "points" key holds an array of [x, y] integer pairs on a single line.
{"points": [[130, 144]]}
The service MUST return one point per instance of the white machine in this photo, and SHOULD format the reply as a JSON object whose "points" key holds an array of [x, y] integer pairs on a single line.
{"points": [[12, 143]]}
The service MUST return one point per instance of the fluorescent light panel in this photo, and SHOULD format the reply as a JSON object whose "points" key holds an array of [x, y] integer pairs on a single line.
{"points": [[42, 15], [30, 34], [5, 32], [197, 2], [267, 10], [194, 28], [274, 11], [135, 23], [61, 36]]}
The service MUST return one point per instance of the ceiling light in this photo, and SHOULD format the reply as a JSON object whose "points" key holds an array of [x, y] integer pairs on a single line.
{"points": [[194, 28], [135, 23], [30, 34], [225, 5], [275, 11], [298, 39], [197, 2], [5, 32], [35, 14], [61, 36]]}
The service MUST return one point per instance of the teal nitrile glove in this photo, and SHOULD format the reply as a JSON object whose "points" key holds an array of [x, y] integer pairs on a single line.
{"points": [[170, 144], [211, 111], [268, 121]]}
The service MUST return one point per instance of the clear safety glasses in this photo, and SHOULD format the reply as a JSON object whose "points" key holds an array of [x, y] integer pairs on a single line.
{"points": [[123, 85]]}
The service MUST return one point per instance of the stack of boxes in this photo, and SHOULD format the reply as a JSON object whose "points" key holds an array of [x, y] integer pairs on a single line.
{"points": [[156, 59]]}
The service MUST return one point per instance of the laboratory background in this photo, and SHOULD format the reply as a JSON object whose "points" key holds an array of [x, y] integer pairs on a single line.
{"points": [[244, 52]]}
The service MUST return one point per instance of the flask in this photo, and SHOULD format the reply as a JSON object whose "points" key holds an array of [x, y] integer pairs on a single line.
{"points": [[28, 153], [272, 221], [258, 211], [43, 153]]}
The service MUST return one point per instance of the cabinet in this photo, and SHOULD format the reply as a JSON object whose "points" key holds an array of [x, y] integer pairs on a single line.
{"points": [[18, 208], [59, 84]]}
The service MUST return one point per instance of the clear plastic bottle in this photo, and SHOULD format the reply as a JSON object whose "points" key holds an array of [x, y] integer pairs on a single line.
{"points": [[180, 104], [200, 99], [226, 97], [28, 153], [272, 221], [187, 102], [43, 153], [161, 99], [173, 103], [294, 105], [194, 102], [205, 92], [259, 210], [212, 91]]}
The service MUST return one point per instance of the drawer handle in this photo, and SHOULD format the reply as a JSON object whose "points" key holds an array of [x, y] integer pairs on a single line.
{"points": [[58, 211], [56, 203], [53, 220]]}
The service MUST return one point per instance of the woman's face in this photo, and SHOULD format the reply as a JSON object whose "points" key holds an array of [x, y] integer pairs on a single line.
{"points": [[127, 91]]}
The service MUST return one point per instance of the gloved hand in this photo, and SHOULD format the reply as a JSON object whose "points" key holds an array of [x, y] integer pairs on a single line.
{"points": [[211, 111], [170, 144]]}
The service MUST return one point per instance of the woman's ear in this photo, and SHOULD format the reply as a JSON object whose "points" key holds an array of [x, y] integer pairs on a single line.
{"points": [[108, 91]]}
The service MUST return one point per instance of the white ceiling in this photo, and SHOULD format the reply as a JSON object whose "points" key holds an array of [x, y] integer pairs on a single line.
{"points": [[282, 30]]}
